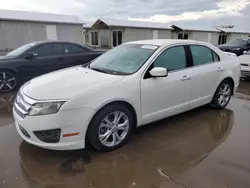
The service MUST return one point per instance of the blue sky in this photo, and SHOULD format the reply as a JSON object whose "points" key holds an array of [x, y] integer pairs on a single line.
{"points": [[196, 12]]}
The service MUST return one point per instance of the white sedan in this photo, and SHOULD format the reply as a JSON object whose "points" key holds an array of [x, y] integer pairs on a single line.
{"points": [[245, 64], [129, 86]]}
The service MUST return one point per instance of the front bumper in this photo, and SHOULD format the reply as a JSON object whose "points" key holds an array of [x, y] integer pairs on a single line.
{"points": [[69, 121]]}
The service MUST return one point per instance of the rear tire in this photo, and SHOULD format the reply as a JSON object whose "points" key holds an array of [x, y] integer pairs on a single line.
{"points": [[222, 95], [110, 128], [8, 81]]}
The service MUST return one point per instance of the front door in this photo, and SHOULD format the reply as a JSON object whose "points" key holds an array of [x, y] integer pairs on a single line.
{"points": [[117, 38], [48, 59], [164, 96]]}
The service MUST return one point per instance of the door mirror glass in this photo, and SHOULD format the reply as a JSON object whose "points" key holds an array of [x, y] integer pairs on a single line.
{"points": [[159, 72], [31, 55]]}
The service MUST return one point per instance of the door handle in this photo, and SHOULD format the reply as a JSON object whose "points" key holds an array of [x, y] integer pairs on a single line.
{"points": [[61, 58], [219, 69], [185, 77]]}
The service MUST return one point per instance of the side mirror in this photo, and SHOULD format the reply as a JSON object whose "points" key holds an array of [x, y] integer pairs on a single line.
{"points": [[159, 72], [30, 55]]}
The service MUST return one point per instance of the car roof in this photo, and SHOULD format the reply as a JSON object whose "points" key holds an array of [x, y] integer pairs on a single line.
{"points": [[53, 41], [161, 42]]}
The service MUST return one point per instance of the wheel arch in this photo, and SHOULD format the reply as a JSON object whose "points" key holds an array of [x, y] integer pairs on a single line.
{"points": [[121, 102], [230, 79], [9, 70]]}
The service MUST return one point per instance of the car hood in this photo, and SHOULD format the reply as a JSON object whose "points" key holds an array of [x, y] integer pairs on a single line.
{"points": [[244, 59], [3, 58], [67, 83]]}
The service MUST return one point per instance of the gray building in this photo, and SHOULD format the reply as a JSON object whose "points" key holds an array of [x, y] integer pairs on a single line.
{"points": [[112, 32], [19, 27]]}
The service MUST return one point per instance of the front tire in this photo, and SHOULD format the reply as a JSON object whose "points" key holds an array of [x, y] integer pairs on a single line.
{"points": [[110, 128], [222, 95], [8, 81]]}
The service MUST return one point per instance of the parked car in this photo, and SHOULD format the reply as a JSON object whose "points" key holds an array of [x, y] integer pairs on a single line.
{"points": [[245, 64], [35, 59], [237, 46], [129, 86]]}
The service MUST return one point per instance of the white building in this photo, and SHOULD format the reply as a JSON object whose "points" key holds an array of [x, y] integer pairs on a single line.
{"points": [[112, 32], [19, 27], [213, 35]]}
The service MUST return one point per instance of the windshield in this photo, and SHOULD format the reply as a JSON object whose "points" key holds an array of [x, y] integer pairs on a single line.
{"points": [[238, 42], [125, 59], [20, 50]]}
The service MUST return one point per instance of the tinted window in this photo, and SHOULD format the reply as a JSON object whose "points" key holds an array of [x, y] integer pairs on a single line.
{"points": [[216, 57], [73, 49], [201, 55], [49, 50], [173, 59], [238, 41], [248, 42]]}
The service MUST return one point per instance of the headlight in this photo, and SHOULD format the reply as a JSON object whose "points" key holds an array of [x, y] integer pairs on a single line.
{"points": [[235, 49], [45, 108]]}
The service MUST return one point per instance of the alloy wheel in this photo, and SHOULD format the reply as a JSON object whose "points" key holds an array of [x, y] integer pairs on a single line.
{"points": [[224, 94], [113, 129], [7, 81]]}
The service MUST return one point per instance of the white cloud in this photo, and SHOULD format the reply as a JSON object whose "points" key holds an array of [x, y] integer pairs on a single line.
{"points": [[199, 11], [224, 8]]}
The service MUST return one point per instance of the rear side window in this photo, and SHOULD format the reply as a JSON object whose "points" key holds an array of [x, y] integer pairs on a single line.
{"points": [[173, 58], [73, 49], [201, 55]]}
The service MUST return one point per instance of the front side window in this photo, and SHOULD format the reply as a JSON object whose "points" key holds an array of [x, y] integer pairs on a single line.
{"points": [[201, 55], [216, 57], [125, 59], [49, 50], [248, 42], [173, 58]]}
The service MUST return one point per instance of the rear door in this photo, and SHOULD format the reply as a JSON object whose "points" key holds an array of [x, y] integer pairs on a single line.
{"points": [[206, 74], [77, 55]]}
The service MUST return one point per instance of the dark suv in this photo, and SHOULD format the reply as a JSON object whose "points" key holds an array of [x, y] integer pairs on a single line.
{"points": [[35, 59], [237, 46]]}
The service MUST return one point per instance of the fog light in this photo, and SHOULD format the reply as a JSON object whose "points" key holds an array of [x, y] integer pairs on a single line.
{"points": [[49, 136]]}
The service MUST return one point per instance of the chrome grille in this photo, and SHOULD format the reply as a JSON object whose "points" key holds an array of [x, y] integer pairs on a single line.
{"points": [[22, 105], [245, 73]]}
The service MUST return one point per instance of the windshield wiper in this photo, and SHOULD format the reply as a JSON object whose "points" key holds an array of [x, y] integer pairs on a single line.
{"points": [[99, 70], [107, 71]]}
